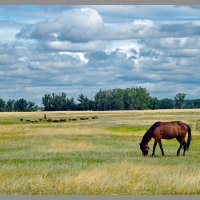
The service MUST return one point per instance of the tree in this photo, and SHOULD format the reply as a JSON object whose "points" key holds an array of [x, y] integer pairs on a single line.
{"points": [[21, 105], [188, 104], [166, 103], [179, 100], [47, 100], [2, 105], [140, 98], [70, 104], [99, 100], [118, 99], [10, 105], [84, 102], [31, 106], [196, 103], [91, 105], [154, 103], [58, 101], [127, 99]]}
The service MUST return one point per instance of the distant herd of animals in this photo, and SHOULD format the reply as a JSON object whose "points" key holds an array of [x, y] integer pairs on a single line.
{"points": [[57, 120]]}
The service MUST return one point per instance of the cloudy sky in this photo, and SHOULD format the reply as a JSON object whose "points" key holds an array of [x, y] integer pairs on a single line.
{"points": [[81, 49]]}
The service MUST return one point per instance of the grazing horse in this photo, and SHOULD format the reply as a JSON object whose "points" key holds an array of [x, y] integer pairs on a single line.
{"points": [[166, 130]]}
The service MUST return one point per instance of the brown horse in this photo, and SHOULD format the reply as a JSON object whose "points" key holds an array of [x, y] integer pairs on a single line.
{"points": [[166, 130]]}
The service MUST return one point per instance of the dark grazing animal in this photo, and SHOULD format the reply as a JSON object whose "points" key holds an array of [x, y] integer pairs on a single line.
{"points": [[82, 118], [62, 120], [94, 117], [166, 130], [72, 119]]}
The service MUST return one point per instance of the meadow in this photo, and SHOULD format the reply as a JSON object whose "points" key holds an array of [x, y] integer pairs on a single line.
{"points": [[95, 156]]}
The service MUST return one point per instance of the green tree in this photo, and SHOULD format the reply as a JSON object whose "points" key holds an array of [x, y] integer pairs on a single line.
{"points": [[47, 102], [140, 98], [84, 102], [127, 99], [179, 100], [166, 103], [118, 99], [99, 100], [70, 104], [91, 105], [58, 101], [10, 105], [154, 103], [31, 106], [21, 105], [55, 102], [196, 103], [2, 105]]}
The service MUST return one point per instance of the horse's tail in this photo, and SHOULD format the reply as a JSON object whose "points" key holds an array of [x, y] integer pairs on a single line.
{"points": [[189, 137]]}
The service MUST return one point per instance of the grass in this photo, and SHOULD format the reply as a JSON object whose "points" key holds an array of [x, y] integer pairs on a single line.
{"points": [[99, 156]]}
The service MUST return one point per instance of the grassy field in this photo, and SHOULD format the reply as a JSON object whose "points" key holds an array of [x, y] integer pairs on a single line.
{"points": [[95, 156]]}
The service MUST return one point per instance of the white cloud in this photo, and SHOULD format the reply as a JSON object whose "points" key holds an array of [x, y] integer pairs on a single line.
{"points": [[77, 25], [128, 47], [78, 55], [172, 43], [69, 46]]}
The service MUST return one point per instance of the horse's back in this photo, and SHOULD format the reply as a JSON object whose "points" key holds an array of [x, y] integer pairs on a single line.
{"points": [[169, 130], [172, 124]]}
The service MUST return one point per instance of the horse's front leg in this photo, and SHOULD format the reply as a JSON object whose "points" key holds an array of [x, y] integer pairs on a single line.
{"points": [[161, 148], [154, 147]]}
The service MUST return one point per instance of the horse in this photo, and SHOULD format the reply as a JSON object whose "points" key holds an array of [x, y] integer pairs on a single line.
{"points": [[166, 130]]}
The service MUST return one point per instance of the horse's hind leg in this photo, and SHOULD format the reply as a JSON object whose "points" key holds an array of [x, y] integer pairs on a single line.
{"points": [[181, 144], [184, 146], [161, 148], [179, 149]]}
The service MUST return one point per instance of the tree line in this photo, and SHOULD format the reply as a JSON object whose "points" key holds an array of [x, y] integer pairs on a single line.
{"points": [[137, 98], [20, 105]]}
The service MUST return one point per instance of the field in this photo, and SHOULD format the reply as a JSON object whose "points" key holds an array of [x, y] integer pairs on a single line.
{"points": [[95, 156]]}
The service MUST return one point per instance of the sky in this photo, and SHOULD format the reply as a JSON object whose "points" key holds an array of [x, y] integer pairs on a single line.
{"points": [[78, 49]]}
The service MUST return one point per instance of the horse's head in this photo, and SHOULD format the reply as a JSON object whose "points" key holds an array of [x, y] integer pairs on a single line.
{"points": [[144, 148]]}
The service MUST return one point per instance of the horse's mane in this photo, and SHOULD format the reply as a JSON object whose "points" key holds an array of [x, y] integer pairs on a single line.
{"points": [[148, 135]]}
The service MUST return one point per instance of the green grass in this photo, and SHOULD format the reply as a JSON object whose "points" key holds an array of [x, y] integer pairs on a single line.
{"points": [[127, 128], [96, 156]]}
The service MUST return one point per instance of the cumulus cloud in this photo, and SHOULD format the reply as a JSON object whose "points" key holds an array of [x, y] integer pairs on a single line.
{"points": [[69, 46], [86, 24], [77, 25]]}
